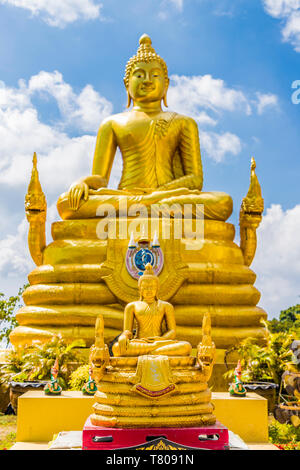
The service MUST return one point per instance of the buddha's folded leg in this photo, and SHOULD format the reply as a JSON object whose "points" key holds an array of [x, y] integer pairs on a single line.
{"points": [[167, 347], [216, 205], [135, 348], [177, 348], [97, 205]]}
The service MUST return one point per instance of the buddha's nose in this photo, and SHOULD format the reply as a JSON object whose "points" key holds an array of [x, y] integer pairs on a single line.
{"points": [[147, 80]]}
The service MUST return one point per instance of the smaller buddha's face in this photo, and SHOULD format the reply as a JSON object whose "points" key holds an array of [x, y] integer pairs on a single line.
{"points": [[147, 82], [148, 289]]}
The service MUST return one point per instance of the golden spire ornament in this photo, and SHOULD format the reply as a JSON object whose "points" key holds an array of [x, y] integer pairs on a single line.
{"points": [[36, 210]]}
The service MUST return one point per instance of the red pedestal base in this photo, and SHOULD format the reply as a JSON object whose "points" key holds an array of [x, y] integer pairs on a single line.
{"points": [[209, 437]]}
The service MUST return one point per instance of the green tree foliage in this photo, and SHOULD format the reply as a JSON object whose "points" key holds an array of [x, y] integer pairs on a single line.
{"points": [[285, 434], [266, 362], [35, 362], [8, 309], [289, 320]]}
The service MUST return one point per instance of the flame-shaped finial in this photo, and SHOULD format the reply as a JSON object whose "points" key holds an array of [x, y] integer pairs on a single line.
{"points": [[131, 243], [254, 188], [34, 184], [155, 243], [99, 332], [206, 325]]}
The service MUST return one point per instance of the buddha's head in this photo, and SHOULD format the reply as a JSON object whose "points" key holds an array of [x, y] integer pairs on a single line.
{"points": [[148, 284], [146, 75]]}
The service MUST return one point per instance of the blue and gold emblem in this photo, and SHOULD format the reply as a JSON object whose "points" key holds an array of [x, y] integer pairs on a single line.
{"points": [[141, 253]]}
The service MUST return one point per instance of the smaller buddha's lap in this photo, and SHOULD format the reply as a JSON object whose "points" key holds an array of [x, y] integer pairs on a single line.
{"points": [[138, 347]]}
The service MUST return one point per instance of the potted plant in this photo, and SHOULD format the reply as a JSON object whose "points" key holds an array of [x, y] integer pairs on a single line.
{"points": [[28, 367], [263, 365]]}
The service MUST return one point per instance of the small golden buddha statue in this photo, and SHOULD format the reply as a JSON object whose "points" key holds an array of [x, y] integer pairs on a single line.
{"points": [[152, 380], [150, 314], [160, 150]]}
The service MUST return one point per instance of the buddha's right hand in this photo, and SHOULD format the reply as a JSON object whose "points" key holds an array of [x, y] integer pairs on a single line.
{"points": [[76, 192], [123, 342]]}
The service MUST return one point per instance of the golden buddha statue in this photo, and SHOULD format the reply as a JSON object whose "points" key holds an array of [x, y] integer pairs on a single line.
{"points": [[160, 150], [150, 314], [81, 273], [152, 381]]}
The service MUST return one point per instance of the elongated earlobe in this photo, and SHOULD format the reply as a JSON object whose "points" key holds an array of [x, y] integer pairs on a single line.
{"points": [[128, 99], [165, 100]]}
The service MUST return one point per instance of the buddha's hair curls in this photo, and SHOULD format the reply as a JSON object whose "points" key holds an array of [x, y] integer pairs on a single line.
{"points": [[145, 53]]}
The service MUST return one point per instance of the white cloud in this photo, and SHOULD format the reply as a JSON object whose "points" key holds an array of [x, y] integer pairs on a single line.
{"points": [[59, 12], [206, 99], [164, 11], [265, 100], [218, 145], [277, 260], [291, 31], [204, 91], [61, 157], [289, 12], [15, 258], [178, 4], [280, 8], [84, 111]]}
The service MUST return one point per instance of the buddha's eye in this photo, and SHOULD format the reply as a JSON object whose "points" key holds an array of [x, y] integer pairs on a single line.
{"points": [[139, 75]]}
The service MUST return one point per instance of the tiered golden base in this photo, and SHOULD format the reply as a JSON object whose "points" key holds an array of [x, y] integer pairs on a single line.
{"points": [[67, 291], [118, 406]]}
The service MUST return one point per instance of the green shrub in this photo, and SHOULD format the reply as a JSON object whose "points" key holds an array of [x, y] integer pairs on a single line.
{"points": [[35, 362], [79, 377], [285, 436], [8, 308], [266, 362]]}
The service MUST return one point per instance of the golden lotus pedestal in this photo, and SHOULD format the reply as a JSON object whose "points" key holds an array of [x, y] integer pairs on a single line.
{"points": [[117, 404]]}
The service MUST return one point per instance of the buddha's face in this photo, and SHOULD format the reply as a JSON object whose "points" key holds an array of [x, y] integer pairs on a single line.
{"points": [[147, 82], [148, 289]]}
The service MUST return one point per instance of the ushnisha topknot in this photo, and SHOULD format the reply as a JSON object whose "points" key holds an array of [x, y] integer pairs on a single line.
{"points": [[145, 53]]}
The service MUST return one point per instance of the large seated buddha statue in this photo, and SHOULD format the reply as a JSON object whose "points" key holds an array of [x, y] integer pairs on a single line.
{"points": [[151, 380], [160, 150], [100, 247]]}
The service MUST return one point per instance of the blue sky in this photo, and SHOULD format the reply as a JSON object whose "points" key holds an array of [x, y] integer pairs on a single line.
{"points": [[231, 64]]}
